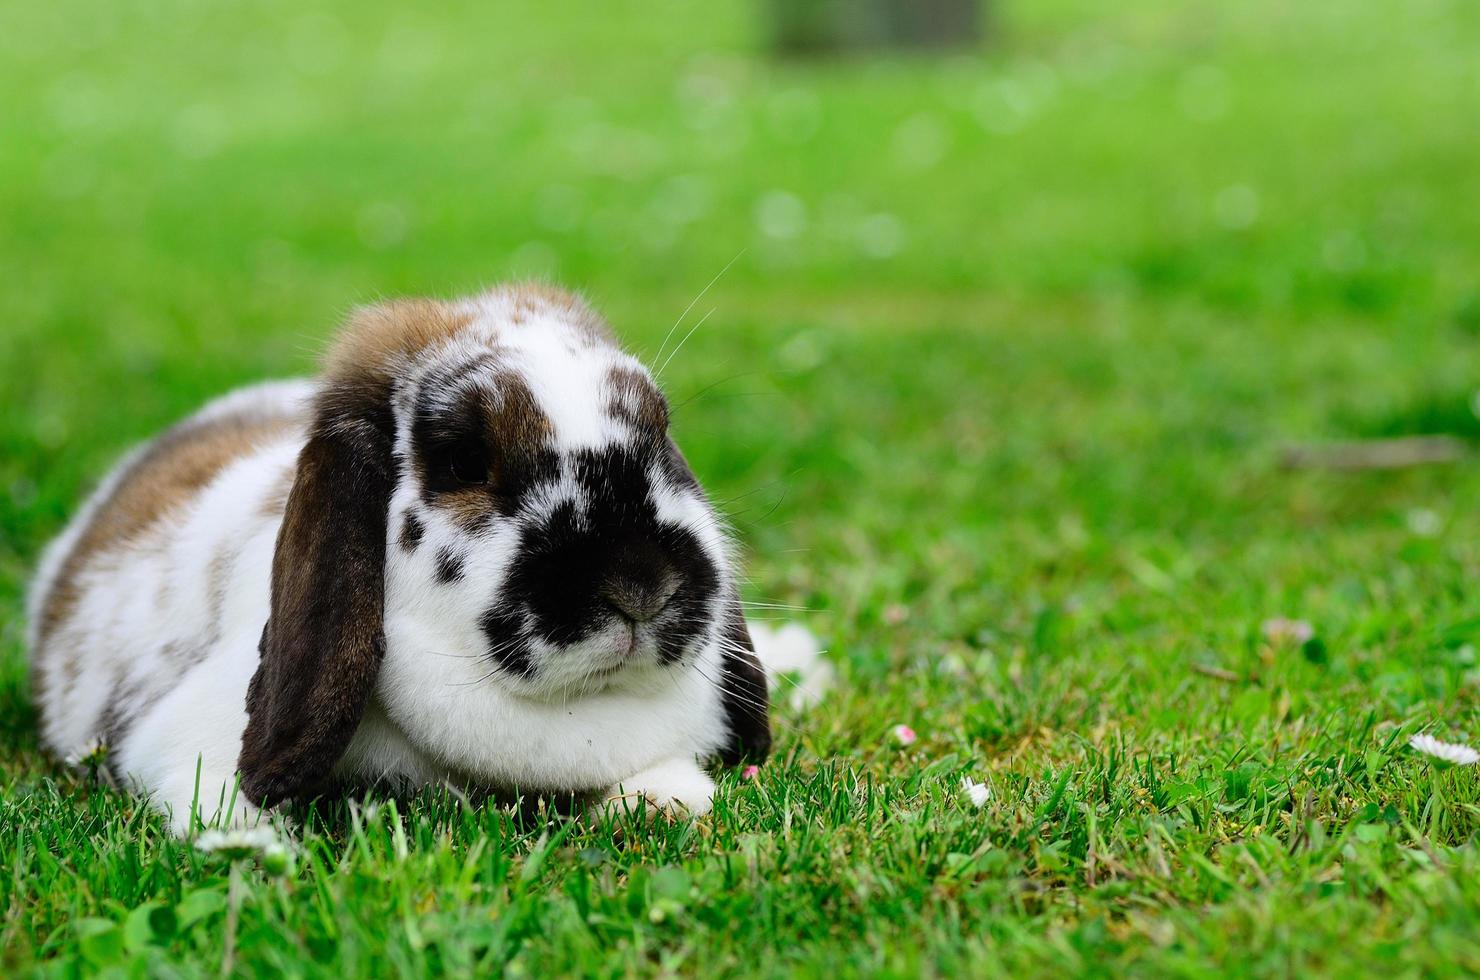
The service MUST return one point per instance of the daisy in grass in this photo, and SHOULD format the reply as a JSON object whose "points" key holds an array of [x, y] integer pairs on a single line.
{"points": [[239, 843], [794, 662], [1451, 752], [1281, 631], [261, 842]]}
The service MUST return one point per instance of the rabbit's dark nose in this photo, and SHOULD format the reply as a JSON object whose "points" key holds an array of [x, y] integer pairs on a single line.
{"points": [[639, 601], [639, 582]]}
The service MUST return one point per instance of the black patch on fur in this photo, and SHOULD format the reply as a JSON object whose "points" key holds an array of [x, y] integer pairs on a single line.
{"points": [[504, 427], [744, 693], [676, 468], [569, 566], [449, 566], [498, 417], [411, 531], [507, 645]]}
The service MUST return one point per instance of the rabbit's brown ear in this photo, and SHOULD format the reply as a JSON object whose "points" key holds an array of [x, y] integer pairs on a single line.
{"points": [[743, 693], [324, 640]]}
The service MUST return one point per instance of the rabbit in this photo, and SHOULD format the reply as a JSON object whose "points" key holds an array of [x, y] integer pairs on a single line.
{"points": [[469, 552]]}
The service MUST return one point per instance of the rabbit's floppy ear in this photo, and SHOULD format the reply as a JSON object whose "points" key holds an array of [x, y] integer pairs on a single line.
{"points": [[323, 643], [743, 692], [324, 640]]}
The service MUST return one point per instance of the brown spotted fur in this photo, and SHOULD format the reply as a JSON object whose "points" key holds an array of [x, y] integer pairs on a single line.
{"points": [[162, 480]]}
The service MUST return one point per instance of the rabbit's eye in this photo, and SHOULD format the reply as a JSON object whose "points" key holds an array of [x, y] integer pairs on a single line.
{"points": [[468, 463], [462, 464]]}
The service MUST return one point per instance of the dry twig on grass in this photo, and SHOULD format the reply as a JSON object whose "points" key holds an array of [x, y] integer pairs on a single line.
{"points": [[1374, 454]]}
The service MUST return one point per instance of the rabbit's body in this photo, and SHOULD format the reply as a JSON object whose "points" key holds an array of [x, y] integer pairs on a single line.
{"points": [[146, 613], [294, 585]]}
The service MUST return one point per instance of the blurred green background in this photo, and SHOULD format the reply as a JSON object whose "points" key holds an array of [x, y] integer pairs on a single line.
{"points": [[1184, 208], [994, 379], [1174, 226]]}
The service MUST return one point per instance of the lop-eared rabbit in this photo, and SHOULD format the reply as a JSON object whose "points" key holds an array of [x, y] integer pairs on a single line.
{"points": [[469, 551]]}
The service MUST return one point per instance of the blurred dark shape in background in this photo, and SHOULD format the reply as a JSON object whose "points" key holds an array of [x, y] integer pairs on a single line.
{"points": [[809, 28]]}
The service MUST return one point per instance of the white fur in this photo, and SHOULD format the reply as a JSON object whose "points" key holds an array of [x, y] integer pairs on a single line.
{"points": [[676, 787], [204, 715], [61, 546], [146, 620], [143, 620]]}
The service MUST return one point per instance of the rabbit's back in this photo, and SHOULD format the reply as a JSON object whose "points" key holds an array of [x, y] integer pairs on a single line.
{"points": [[170, 554]]}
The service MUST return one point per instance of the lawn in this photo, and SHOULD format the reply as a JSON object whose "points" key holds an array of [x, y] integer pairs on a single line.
{"points": [[995, 386]]}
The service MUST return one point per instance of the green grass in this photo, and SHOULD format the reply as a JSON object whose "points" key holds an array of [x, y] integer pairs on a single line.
{"points": [[996, 386]]}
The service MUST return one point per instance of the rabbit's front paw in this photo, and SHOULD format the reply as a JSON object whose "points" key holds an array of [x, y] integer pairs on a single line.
{"points": [[674, 788]]}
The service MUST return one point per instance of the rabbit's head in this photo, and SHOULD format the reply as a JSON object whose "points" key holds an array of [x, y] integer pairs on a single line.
{"points": [[489, 499]]}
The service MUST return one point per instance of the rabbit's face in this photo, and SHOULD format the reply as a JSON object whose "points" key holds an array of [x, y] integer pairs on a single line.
{"points": [[488, 508], [545, 534]]}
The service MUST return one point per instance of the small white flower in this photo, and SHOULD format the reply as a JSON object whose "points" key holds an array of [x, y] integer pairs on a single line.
{"points": [[241, 842], [273, 852], [904, 734], [1459, 755], [1292, 631], [92, 753], [977, 793], [793, 660]]}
